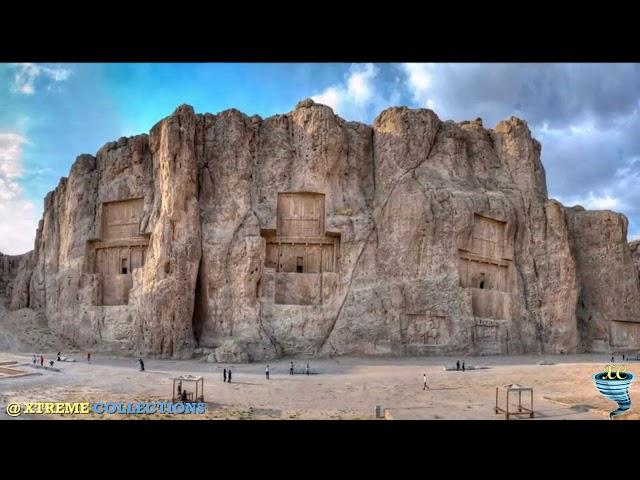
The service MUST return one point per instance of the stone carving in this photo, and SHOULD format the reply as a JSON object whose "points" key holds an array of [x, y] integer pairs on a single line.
{"points": [[300, 250], [624, 335], [304, 234], [484, 267], [120, 250], [426, 329], [488, 336]]}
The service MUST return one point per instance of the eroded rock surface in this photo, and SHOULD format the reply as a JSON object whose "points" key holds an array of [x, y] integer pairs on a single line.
{"points": [[306, 235]]}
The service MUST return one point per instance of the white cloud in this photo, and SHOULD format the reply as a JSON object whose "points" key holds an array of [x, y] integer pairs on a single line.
{"points": [[419, 82], [18, 216], [331, 97], [358, 96], [605, 202], [593, 202], [26, 74]]}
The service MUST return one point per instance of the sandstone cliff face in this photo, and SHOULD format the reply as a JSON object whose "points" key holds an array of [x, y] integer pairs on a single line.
{"points": [[8, 271], [304, 234], [634, 248], [609, 303]]}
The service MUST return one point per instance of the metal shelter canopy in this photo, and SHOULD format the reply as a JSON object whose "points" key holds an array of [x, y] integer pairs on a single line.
{"points": [[178, 388], [514, 387]]}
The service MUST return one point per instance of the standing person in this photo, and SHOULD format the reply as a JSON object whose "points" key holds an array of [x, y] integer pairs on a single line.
{"points": [[424, 381], [42, 360], [613, 358], [58, 356], [463, 368], [88, 357], [141, 364], [307, 369], [224, 375], [266, 372], [291, 368], [623, 357], [458, 366], [51, 363], [35, 359], [229, 375]]}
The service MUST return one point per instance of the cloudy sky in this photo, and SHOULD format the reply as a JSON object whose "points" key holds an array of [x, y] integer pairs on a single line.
{"points": [[585, 115]]}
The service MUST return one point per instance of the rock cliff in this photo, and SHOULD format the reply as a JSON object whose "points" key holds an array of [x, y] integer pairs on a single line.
{"points": [[305, 234]]}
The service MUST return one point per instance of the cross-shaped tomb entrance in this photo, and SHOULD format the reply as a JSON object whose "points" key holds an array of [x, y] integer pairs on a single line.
{"points": [[119, 250], [299, 251]]}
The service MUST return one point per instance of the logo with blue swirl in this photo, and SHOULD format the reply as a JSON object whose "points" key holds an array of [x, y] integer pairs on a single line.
{"points": [[614, 384]]}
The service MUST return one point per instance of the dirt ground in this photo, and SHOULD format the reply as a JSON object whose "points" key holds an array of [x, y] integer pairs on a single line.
{"points": [[343, 388]]}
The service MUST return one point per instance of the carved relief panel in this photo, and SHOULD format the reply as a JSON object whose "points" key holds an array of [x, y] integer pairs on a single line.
{"points": [[120, 250], [300, 246], [484, 267], [426, 329]]}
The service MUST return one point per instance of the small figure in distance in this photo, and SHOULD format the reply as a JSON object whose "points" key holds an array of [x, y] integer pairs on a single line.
{"points": [[307, 370], [229, 375], [291, 368], [458, 366], [463, 367], [89, 357], [183, 396], [266, 372], [58, 356], [51, 363], [424, 379], [141, 364], [224, 375]]}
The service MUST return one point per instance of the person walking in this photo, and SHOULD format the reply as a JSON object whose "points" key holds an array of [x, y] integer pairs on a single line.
{"points": [[458, 366], [88, 357], [291, 368], [229, 376], [266, 372], [424, 381], [141, 364], [463, 368], [42, 360], [35, 359], [58, 356], [224, 375], [307, 370]]}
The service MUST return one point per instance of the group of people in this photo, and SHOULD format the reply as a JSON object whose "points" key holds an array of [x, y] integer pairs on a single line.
{"points": [[39, 359], [425, 386], [226, 373], [291, 369], [613, 358], [182, 394]]}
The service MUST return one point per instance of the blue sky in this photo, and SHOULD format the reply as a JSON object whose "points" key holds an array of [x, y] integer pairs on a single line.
{"points": [[586, 116]]}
